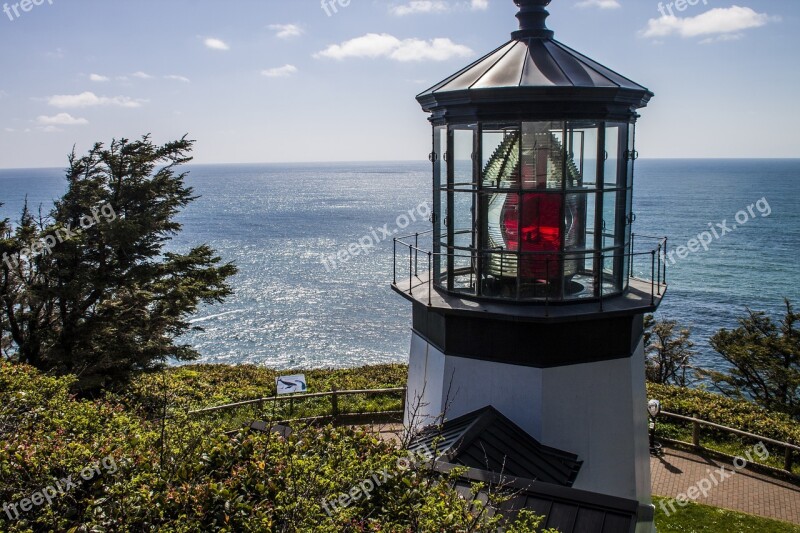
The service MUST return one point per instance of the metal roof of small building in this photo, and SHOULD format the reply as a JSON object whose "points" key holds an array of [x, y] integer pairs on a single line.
{"points": [[487, 440], [534, 67], [566, 509]]}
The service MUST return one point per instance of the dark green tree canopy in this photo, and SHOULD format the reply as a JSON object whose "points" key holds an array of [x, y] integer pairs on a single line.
{"points": [[765, 361], [669, 352], [88, 289]]}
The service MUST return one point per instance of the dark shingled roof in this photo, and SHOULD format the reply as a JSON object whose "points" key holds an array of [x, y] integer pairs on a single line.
{"points": [[566, 509], [487, 440]]}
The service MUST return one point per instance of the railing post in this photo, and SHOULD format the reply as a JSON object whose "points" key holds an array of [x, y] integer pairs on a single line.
{"points": [[335, 404], [652, 277], [787, 465], [430, 277], [394, 263], [416, 254], [695, 432], [630, 264], [403, 405], [410, 272], [659, 270], [666, 241]]}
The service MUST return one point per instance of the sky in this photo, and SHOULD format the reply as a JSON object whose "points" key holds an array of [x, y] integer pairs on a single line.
{"points": [[308, 81]]}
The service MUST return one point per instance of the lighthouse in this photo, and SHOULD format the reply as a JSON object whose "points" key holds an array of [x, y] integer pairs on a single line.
{"points": [[530, 298]]}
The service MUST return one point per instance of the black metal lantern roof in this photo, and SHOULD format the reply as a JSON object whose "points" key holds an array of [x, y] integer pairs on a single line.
{"points": [[533, 74]]}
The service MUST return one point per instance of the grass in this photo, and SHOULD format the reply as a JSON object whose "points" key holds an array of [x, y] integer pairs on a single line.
{"points": [[697, 518]]}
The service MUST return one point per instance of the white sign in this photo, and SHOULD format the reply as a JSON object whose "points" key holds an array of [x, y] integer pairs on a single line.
{"points": [[290, 384]]}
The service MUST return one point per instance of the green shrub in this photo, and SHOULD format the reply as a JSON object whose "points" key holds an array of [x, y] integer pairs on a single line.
{"points": [[186, 475]]}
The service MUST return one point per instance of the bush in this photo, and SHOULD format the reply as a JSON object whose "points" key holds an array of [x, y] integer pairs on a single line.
{"points": [[186, 475]]}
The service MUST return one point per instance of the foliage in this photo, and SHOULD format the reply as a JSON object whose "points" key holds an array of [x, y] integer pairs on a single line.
{"points": [[737, 414], [527, 521], [765, 360], [697, 518], [668, 352], [198, 386], [182, 475], [88, 289]]}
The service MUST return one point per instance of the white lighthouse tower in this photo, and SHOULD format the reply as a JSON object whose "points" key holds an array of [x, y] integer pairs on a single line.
{"points": [[532, 296]]}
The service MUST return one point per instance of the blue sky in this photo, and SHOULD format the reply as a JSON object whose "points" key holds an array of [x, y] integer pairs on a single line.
{"points": [[292, 81]]}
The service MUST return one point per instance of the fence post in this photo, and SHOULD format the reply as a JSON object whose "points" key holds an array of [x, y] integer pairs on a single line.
{"points": [[787, 465], [335, 404], [695, 432]]}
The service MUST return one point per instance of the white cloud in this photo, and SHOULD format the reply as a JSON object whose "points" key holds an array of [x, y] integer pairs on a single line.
{"points": [[216, 44], [50, 129], [280, 72], [731, 20], [142, 75], [89, 99], [61, 119], [412, 7], [286, 31], [420, 6], [175, 77], [602, 4], [10, 130], [373, 45], [98, 78]]}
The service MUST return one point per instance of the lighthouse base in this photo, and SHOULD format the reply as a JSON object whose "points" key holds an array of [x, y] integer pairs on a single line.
{"points": [[596, 410]]}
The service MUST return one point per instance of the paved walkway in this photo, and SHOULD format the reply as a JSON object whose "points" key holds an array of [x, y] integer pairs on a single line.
{"points": [[677, 471]]}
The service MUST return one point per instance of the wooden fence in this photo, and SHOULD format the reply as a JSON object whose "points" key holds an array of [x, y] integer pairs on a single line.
{"points": [[789, 447], [337, 415]]}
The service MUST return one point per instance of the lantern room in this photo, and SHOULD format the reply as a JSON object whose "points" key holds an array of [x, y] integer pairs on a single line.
{"points": [[533, 155]]}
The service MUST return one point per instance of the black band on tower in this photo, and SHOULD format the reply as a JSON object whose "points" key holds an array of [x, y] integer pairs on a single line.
{"points": [[532, 16]]}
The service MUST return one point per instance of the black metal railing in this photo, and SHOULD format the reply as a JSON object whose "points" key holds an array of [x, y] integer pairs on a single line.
{"points": [[407, 263]]}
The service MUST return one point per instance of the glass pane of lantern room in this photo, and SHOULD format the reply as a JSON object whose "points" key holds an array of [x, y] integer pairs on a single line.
{"points": [[614, 150], [582, 138], [500, 156], [611, 218], [579, 243], [542, 157], [631, 151], [439, 199], [539, 231], [461, 159]]}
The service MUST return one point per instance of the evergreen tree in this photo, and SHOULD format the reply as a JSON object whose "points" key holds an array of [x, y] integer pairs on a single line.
{"points": [[765, 361], [668, 351], [89, 289]]}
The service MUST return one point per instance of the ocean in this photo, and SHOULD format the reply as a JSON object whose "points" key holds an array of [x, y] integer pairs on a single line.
{"points": [[292, 309]]}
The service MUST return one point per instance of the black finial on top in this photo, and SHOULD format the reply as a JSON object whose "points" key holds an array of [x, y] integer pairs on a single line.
{"points": [[532, 16]]}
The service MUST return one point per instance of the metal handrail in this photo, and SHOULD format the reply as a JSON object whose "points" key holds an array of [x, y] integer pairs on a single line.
{"points": [[293, 397], [657, 278]]}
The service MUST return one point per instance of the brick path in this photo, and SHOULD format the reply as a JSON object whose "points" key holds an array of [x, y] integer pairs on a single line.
{"points": [[746, 491]]}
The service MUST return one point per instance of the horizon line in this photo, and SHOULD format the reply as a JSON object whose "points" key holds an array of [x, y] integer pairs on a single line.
{"points": [[425, 161]]}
